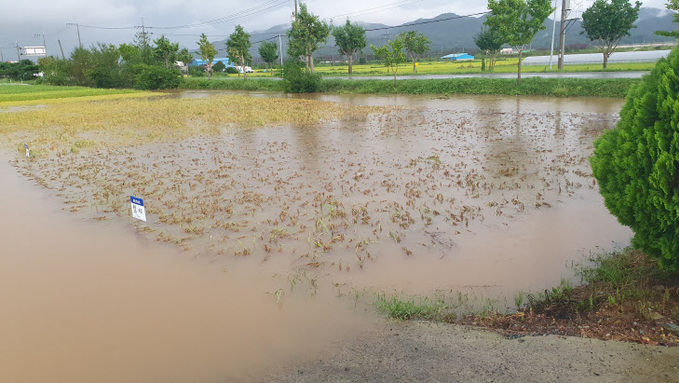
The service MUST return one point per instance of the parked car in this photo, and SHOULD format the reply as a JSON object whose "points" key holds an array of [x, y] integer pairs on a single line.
{"points": [[246, 70]]}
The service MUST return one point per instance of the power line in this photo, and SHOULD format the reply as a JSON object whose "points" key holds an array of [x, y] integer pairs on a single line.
{"points": [[261, 41], [378, 8], [267, 5], [108, 28], [456, 17], [59, 31]]}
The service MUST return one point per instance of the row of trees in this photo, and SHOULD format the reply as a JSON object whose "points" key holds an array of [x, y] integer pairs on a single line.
{"points": [[511, 22], [515, 22], [307, 34], [145, 64], [19, 71], [150, 65], [238, 50]]}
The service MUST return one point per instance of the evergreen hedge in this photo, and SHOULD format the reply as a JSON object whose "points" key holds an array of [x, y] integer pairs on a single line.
{"points": [[637, 163]]}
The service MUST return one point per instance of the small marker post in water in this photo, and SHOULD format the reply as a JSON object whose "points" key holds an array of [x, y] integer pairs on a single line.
{"points": [[138, 210], [26, 147]]}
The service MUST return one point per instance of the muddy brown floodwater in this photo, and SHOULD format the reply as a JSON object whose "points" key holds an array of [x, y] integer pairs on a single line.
{"points": [[84, 302], [287, 230]]}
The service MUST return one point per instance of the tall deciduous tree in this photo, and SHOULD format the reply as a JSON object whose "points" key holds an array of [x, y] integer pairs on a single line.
{"points": [[143, 42], [166, 51], [306, 35], [269, 52], [490, 42], [207, 53], [186, 58], [416, 44], [349, 39], [518, 21], [672, 5], [392, 54], [237, 45], [608, 22]]}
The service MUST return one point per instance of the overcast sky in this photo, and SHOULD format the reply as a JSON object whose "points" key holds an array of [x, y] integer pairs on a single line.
{"points": [[24, 25]]}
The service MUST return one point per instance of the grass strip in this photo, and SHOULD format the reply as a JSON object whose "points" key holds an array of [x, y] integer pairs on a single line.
{"points": [[536, 86], [25, 95]]}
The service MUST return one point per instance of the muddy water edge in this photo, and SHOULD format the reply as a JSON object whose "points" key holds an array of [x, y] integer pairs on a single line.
{"points": [[261, 241]]}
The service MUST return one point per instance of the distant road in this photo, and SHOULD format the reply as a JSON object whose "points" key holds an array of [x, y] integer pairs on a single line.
{"points": [[592, 75]]}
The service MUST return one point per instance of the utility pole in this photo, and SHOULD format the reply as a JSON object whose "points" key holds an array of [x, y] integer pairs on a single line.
{"points": [[77, 26], [43, 40], [2, 58], [80, 42], [18, 52], [62, 50], [280, 48], [551, 52], [562, 35], [295, 10]]}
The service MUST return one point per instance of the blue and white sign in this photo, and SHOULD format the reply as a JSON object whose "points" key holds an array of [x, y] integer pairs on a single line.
{"points": [[26, 147], [138, 210]]}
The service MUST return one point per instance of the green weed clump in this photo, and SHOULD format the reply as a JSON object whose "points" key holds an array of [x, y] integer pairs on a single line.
{"points": [[625, 280], [297, 80], [628, 275], [401, 308]]}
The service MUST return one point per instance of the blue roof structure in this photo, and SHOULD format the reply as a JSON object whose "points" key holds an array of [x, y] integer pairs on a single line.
{"points": [[198, 62], [457, 57]]}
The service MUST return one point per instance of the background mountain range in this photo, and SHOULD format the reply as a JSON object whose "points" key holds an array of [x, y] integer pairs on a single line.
{"points": [[450, 33]]}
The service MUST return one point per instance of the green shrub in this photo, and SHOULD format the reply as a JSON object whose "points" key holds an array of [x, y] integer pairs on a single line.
{"points": [[218, 67], [55, 71], [23, 70], [104, 70], [231, 70], [297, 80], [151, 77], [197, 71], [637, 163]]}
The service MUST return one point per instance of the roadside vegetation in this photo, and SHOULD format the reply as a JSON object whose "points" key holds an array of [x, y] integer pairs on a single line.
{"points": [[624, 296], [566, 87]]}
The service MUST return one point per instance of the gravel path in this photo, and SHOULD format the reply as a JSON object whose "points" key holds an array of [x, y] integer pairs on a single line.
{"points": [[431, 352]]}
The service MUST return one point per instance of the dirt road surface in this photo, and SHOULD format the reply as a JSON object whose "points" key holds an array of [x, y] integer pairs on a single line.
{"points": [[431, 352]]}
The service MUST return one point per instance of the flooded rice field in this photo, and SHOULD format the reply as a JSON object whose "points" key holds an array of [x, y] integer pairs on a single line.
{"points": [[263, 240]]}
